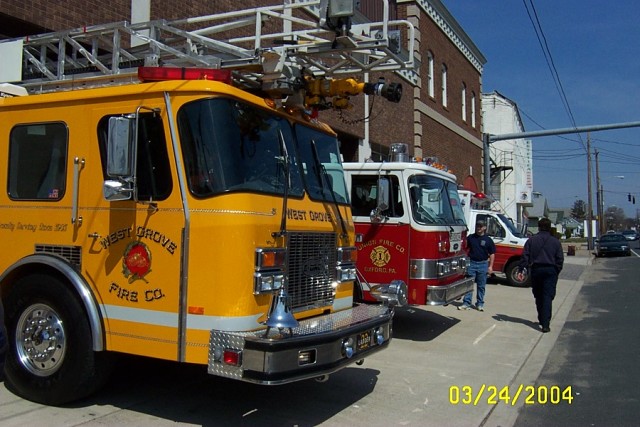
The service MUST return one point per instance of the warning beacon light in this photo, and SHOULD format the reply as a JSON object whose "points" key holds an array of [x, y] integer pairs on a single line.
{"points": [[147, 74]]}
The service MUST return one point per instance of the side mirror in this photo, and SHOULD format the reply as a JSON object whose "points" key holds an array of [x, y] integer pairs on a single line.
{"points": [[116, 190], [382, 200], [120, 147], [121, 159], [383, 194]]}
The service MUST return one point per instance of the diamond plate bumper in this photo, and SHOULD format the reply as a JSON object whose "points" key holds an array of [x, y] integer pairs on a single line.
{"points": [[312, 349]]}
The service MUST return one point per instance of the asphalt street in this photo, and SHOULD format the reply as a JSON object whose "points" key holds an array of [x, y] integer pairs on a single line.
{"points": [[596, 353]]}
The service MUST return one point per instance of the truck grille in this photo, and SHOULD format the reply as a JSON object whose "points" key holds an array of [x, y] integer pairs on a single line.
{"points": [[311, 264]]}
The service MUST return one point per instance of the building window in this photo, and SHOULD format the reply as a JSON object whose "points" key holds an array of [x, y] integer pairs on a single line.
{"points": [[444, 85], [473, 110], [464, 102], [430, 79]]}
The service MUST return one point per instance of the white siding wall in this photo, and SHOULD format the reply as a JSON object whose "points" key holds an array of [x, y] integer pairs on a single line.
{"points": [[500, 116]]}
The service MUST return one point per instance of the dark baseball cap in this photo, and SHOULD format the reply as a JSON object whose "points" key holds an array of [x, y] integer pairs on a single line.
{"points": [[480, 224]]}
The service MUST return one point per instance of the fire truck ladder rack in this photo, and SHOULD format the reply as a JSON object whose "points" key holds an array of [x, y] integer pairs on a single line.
{"points": [[268, 48]]}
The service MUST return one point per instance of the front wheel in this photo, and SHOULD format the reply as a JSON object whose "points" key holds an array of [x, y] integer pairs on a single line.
{"points": [[512, 276], [50, 359]]}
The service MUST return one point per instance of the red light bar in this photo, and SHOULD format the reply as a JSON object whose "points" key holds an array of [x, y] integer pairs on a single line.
{"points": [[147, 74], [480, 195]]}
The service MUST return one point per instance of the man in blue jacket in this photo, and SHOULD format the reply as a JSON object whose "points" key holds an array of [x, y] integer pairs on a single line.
{"points": [[482, 251]]}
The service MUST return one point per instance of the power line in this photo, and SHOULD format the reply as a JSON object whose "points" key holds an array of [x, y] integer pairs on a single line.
{"points": [[542, 40]]}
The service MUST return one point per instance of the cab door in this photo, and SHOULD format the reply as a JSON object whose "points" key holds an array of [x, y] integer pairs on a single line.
{"points": [[133, 220], [383, 243]]}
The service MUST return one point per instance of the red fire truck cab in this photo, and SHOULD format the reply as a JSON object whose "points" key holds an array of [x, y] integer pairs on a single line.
{"points": [[410, 227]]}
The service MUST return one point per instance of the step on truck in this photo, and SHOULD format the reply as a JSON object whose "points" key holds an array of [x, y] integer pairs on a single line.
{"points": [[508, 240], [410, 229], [172, 200]]}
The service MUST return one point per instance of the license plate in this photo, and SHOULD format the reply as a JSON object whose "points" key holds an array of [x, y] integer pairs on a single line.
{"points": [[364, 340]]}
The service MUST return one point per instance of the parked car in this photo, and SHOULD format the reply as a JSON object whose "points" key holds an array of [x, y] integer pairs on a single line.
{"points": [[612, 244], [3, 342], [630, 234]]}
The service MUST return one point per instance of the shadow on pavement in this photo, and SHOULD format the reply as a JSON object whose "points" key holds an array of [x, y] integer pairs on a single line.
{"points": [[506, 318], [419, 324], [185, 393]]}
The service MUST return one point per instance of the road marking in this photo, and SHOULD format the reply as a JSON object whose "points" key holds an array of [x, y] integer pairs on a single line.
{"points": [[484, 334]]}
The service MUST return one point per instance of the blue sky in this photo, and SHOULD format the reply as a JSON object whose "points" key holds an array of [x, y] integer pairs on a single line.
{"points": [[595, 48]]}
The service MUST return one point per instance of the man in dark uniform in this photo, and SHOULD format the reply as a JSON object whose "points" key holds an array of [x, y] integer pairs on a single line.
{"points": [[543, 256], [482, 251]]}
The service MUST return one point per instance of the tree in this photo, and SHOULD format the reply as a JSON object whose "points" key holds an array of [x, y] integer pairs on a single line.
{"points": [[579, 210]]}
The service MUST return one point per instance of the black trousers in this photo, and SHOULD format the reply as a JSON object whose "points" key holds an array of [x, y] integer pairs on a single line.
{"points": [[543, 285]]}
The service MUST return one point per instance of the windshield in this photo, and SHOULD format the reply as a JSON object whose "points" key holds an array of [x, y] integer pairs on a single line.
{"points": [[613, 238], [228, 145], [321, 166], [509, 224], [435, 201], [456, 204]]}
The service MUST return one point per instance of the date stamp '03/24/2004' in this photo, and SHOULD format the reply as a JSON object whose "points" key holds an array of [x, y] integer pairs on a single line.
{"points": [[510, 395]]}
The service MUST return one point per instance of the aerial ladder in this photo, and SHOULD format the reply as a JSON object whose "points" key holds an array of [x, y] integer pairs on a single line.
{"points": [[303, 52]]}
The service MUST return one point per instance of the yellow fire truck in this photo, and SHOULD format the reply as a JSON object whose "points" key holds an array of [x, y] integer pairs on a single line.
{"points": [[170, 194]]}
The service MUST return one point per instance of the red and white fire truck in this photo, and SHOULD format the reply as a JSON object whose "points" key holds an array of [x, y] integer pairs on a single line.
{"points": [[410, 227]]}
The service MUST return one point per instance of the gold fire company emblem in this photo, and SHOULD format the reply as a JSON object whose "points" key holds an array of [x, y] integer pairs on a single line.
{"points": [[380, 256]]}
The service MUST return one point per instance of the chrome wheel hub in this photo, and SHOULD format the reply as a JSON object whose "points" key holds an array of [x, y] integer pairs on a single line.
{"points": [[40, 340]]}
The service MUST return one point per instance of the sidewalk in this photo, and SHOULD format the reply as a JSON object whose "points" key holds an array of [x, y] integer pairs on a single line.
{"points": [[499, 349]]}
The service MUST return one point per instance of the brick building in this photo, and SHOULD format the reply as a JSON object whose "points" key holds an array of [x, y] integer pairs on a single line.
{"points": [[438, 116]]}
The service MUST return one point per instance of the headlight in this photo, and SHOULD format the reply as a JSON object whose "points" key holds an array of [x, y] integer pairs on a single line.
{"points": [[269, 274], [346, 263]]}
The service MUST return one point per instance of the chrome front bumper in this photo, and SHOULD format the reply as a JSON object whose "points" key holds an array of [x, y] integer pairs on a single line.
{"points": [[314, 348], [440, 295]]}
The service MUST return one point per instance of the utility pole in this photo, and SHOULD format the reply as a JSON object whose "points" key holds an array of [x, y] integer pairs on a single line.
{"points": [[599, 198], [589, 196]]}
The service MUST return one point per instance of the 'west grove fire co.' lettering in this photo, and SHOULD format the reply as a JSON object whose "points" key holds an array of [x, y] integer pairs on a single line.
{"points": [[141, 233], [301, 215]]}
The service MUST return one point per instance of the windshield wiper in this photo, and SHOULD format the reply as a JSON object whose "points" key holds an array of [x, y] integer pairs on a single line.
{"points": [[285, 191], [323, 175]]}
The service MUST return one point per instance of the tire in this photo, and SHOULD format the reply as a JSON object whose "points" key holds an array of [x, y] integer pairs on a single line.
{"points": [[50, 358], [512, 276]]}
